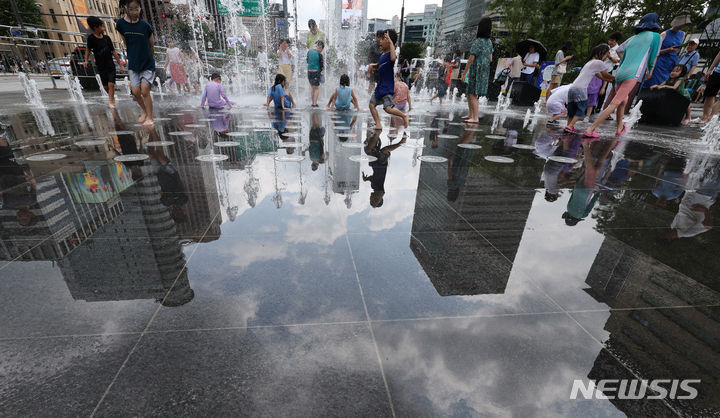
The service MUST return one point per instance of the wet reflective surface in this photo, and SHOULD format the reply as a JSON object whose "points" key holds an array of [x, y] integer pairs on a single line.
{"points": [[299, 264]]}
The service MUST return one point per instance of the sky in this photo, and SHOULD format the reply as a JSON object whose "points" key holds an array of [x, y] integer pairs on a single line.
{"points": [[386, 9], [383, 9]]}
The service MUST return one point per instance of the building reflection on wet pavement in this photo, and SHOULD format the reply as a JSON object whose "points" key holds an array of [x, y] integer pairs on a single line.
{"points": [[255, 263]]}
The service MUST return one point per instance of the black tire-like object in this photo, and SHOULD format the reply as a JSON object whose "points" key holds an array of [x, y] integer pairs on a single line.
{"points": [[524, 94], [663, 107]]}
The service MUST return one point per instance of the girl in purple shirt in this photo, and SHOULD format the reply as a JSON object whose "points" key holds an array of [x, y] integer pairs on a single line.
{"points": [[214, 94]]}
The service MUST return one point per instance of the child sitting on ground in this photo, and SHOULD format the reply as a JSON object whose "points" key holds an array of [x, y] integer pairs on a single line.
{"points": [[277, 94], [214, 94], [401, 98], [676, 82], [343, 96]]}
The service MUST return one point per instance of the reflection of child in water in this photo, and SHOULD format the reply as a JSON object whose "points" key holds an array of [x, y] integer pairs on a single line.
{"points": [[668, 187], [17, 187], [172, 191], [220, 122], [317, 141], [374, 148]]}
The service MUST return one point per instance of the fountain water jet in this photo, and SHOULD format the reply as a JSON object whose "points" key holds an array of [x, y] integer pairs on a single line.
{"points": [[32, 94], [75, 89], [100, 84]]}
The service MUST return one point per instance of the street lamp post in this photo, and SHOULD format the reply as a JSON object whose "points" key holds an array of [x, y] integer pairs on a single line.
{"points": [[402, 20]]}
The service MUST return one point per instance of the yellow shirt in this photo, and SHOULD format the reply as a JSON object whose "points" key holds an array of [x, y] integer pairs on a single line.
{"points": [[314, 37]]}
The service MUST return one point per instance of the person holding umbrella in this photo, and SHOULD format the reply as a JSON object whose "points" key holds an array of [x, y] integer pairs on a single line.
{"points": [[533, 52], [530, 64]]}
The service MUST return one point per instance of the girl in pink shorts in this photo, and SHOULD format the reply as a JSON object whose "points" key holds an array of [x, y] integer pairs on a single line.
{"points": [[639, 55]]}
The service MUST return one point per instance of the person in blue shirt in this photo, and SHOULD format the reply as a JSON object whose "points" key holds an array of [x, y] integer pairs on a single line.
{"points": [[278, 95], [343, 96], [385, 88], [690, 58], [138, 37], [315, 67]]}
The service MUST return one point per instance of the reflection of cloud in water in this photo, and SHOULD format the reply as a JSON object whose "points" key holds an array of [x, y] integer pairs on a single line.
{"points": [[318, 222], [252, 251], [582, 242], [461, 367]]}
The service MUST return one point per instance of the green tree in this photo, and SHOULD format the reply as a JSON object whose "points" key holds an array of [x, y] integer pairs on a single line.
{"points": [[181, 31], [584, 22], [29, 13], [551, 22], [410, 50]]}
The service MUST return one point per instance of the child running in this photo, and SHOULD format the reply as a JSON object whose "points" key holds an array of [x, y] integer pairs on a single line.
{"points": [[214, 94], [102, 48], [676, 82], [402, 95], [283, 100], [578, 94], [315, 68], [386, 84], [138, 37], [343, 96]]}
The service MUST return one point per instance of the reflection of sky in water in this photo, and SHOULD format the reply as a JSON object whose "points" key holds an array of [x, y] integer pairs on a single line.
{"points": [[295, 242]]}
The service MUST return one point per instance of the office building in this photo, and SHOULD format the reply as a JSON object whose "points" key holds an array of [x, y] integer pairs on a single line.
{"points": [[423, 27], [460, 16], [376, 24], [66, 21]]}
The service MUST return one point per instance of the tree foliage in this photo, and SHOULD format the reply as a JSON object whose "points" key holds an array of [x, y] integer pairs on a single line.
{"points": [[584, 22], [410, 50], [182, 32], [29, 13]]}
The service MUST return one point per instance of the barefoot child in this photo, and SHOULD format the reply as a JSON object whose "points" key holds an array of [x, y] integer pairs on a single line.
{"points": [[138, 37], [343, 96], [402, 95], [315, 68], [386, 84], [214, 94], [102, 48], [282, 99]]}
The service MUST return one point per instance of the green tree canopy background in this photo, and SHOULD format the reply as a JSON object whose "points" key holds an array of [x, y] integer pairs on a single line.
{"points": [[410, 50], [584, 22], [29, 13]]}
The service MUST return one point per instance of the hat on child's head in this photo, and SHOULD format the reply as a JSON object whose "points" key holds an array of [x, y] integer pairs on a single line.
{"points": [[649, 21], [695, 41]]}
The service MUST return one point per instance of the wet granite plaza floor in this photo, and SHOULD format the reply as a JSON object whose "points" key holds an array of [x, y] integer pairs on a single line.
{"points": [[235, 263]]}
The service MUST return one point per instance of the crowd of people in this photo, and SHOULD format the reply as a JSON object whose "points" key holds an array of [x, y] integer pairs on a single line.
{"points": [[607, 83], [618, 71]]}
